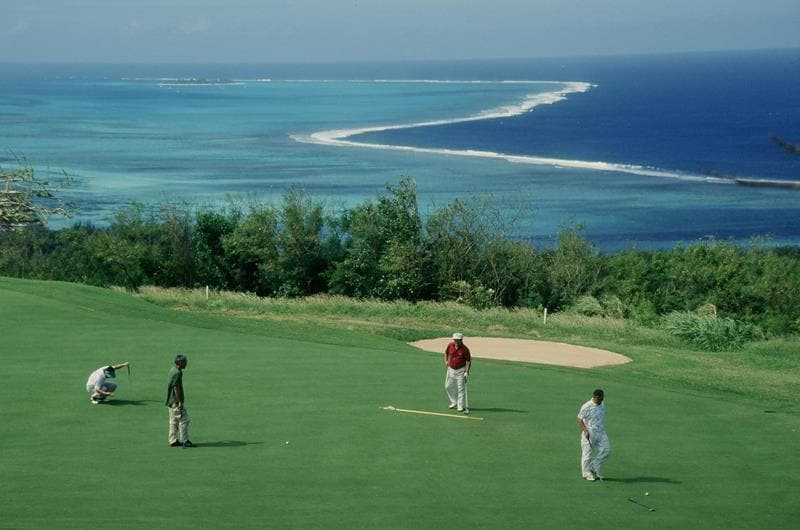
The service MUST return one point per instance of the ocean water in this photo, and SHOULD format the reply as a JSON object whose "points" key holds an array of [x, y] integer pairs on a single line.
{"points": [[642, 150]]}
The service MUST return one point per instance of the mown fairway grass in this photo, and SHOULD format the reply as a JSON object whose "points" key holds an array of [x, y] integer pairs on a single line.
{"points": [[708, 459]]}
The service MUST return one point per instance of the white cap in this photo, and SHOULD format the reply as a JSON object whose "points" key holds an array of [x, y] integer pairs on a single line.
{"points": [[458, 336]]}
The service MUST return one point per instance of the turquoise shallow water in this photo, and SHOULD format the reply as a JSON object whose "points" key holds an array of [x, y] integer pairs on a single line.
{"points": [[199, 133]]}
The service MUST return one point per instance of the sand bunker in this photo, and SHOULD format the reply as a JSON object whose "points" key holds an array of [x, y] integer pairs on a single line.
{"points": [[529, 351]]}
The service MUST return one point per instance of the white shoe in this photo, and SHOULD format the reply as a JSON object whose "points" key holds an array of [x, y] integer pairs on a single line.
{"points": [[451, 406], [465, 411], [590, 478]]}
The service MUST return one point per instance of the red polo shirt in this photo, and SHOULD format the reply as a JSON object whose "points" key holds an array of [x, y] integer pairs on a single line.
{"points": [[457, 357]]}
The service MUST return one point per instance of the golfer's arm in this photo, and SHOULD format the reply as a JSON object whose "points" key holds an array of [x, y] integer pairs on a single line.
{"points": [[120, 365], [468, 366], [583, 427], [178, 396]]}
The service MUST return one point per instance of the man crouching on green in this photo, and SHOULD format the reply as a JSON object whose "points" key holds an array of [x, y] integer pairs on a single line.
{"points": [[101, 385], [176, 399]]}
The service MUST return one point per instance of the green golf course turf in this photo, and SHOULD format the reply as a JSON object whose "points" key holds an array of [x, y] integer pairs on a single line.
{"points": [[707, 461]]}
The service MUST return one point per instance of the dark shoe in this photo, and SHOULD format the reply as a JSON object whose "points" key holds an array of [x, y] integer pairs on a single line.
{"points": [[175, 444], [188, 443]]}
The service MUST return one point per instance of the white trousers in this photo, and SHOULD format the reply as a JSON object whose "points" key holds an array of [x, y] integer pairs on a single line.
{"points": [[594, 453], [108, 387], [455, 384], [178, 423]]}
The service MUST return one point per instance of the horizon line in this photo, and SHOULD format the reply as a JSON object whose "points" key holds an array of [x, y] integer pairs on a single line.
{"points": [[608, 55]]}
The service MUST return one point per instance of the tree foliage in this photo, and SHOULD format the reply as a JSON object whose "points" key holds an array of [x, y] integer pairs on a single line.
{"points": [[26, 199], [385, 248]]}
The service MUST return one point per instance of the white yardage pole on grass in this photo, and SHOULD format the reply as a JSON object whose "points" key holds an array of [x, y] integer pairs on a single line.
{"points": [[412, 411]]}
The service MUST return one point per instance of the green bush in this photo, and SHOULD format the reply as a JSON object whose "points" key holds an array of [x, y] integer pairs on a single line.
{"points": [[572, 269], [606, 306], [613, 306], [383, 255], [709, 332], [588, 306], [643, 313], [475, 296]]}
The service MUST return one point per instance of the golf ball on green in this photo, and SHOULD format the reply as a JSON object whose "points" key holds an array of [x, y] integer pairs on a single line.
{"points": [[646, 492]]}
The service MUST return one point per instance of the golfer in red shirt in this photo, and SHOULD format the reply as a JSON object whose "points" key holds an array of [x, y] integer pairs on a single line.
{"points": [[458, 361]]}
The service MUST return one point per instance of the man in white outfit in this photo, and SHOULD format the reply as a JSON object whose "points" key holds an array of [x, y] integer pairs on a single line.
{"points": [[458, 361], [101, 385], [594, 439]]}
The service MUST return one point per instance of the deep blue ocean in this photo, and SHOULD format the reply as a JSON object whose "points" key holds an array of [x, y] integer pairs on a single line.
{"points": [[641, 150]]}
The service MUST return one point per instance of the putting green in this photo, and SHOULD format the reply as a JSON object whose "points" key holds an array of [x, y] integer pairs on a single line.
{"points": [[252, 386]]}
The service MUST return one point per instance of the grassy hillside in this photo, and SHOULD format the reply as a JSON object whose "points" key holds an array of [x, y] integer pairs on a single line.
{"points": [[712, 459], [764, 371]]}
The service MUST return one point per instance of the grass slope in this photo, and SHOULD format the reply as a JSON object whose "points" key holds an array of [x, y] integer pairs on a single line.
{"points": [[254, 384], [764, 371]]}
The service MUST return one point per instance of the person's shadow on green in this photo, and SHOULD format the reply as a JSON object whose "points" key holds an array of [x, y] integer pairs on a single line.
{"points": [[636, 480], [227, 443], [125, 402]]}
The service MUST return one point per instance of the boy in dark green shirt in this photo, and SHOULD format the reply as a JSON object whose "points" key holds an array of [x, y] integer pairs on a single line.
{"points": [[178, 417]]}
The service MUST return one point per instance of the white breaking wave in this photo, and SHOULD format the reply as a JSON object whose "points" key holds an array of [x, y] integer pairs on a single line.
{"points": [[468, 82], [203, 84], [340, 137]]}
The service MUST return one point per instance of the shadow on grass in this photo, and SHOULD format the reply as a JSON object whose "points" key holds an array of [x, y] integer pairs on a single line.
{"points": [[226, 443], [497, 409], [637, 480], [125, 402]]}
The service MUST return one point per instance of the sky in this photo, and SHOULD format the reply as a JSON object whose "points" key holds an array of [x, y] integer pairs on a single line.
{"points": [[265, 31]]}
